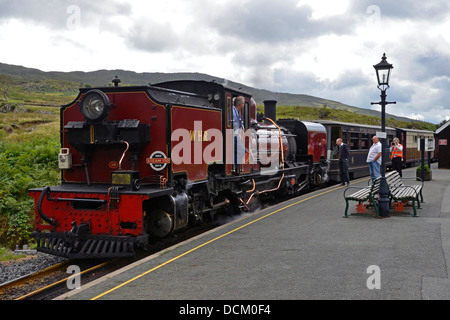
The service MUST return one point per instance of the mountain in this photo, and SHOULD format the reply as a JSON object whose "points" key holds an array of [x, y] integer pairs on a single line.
{"points": [[104, 77]]}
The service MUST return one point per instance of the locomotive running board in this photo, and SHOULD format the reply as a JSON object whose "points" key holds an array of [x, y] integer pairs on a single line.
{"points": [[72, 246]]}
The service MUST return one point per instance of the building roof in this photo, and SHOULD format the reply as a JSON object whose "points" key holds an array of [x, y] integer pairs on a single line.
{"points": [[443, 127]]}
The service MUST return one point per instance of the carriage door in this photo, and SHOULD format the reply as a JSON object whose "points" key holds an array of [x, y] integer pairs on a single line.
{"points": [[334, 132]]}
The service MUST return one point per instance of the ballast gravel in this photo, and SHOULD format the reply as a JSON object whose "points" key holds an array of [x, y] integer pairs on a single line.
{"points": [[14, 269]]}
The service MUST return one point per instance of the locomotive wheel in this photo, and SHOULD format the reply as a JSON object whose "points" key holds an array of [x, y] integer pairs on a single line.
{"points": [[317, 178], [160, 223]]}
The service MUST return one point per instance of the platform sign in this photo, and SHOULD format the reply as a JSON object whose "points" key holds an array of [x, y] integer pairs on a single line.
{"points": [[429, 144], [381, 135]]}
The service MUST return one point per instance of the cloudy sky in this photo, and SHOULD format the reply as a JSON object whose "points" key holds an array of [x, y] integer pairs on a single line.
{"points": [[324, 48]]}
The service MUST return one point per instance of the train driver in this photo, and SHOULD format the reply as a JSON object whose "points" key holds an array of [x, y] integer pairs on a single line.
{"points": [[397, 156]]}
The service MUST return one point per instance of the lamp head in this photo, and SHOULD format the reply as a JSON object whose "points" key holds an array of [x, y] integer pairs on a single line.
{"points": [[383, 70]]}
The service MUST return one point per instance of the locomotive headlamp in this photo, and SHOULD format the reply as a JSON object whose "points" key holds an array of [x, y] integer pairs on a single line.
{"points": [[95, 105]]}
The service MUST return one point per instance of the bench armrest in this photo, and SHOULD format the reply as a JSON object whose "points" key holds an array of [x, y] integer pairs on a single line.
{"points": [[415, 178]]}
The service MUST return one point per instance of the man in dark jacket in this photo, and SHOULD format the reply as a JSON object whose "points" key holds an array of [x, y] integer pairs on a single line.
{"points": [[343, 162]]}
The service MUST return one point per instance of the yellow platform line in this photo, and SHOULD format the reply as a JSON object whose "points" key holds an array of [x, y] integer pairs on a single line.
{"points": [[211, 241]]}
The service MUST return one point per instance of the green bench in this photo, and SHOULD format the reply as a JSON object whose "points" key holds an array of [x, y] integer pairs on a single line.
{"points": [[363, 194], [400, 192]]}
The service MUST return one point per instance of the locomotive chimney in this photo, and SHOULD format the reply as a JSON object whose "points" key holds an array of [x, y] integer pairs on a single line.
{"points": [[270, 109], [116, 81]]}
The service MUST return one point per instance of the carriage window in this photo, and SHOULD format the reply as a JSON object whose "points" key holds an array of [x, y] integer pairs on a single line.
{"points": [[229, 113], [365, 141], [390, 139], [354, 141], [345, 137]]}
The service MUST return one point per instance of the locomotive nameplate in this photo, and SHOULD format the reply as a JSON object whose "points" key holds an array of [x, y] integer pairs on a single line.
{"points": [[158, 161]]}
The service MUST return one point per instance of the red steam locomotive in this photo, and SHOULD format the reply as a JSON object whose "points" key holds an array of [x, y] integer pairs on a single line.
{"points": [[143, 162]]}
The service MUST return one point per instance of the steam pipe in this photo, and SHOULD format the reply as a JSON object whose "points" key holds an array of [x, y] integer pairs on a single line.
{"points": [[123, 155], [39, 207]]}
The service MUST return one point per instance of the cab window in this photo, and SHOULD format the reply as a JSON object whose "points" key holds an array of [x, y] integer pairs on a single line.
{"points": [[229, 111], [246, 116]]}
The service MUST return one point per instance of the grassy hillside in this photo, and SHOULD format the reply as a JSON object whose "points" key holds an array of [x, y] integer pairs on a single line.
{"points": [[103, 78], [326, 113], [36, 92]]}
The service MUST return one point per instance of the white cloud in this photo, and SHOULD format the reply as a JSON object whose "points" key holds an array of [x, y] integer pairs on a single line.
{"points": [[417, 117], [325, 8]]}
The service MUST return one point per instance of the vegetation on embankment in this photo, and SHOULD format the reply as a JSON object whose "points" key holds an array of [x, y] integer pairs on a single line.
{"points": [[29, 146]]}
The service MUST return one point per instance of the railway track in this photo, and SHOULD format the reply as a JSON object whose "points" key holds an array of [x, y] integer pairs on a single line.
{"points": [[59, 279], [55, 281], [47, 283]]}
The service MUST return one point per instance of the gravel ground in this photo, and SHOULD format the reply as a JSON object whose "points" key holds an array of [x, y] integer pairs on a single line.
{"points": [[11, 270]]}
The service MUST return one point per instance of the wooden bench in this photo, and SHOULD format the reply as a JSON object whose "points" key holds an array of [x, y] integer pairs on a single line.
{"points": [[400, 192], [363, 194]]}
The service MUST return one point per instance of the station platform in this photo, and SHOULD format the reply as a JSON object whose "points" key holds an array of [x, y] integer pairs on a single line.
{"points": [[301, 249]]}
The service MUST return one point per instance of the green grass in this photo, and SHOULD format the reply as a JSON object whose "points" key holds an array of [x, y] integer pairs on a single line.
{"points": [[37, 92], [7, 255], [28, 123], [29, 146]]}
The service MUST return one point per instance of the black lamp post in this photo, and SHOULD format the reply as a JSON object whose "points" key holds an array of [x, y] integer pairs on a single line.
{"points": [[383, 70]]}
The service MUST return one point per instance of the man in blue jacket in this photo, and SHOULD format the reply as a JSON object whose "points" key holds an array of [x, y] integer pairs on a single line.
{"points": [[343, 162]]}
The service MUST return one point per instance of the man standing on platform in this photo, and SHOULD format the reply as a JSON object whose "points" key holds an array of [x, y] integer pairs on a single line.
{"points": [[374, 158], [343, 162], [397, 156]]}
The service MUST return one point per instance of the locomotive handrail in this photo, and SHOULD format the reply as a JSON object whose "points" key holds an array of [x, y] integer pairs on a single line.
{"points": [[82, 200], [44, 192]]}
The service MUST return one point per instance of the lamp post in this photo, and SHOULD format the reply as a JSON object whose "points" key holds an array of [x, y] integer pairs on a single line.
{"points": [[383, 70]]}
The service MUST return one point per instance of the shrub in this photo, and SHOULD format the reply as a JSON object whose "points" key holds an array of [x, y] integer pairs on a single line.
{"points": [[24, 166], [419, 168]]}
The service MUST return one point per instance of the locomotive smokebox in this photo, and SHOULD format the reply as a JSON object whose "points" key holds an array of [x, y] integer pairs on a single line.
{"points": [[270, 109]]}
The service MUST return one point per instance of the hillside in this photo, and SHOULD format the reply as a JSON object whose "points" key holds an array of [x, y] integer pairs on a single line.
{"points": [[68, 82]]}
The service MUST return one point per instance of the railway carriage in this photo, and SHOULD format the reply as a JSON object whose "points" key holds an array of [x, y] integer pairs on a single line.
{"points": [[410, 139], [359, 140]]}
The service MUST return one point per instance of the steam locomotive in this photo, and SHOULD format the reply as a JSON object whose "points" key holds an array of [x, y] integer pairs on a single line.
{"points": [[143, 162]]}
